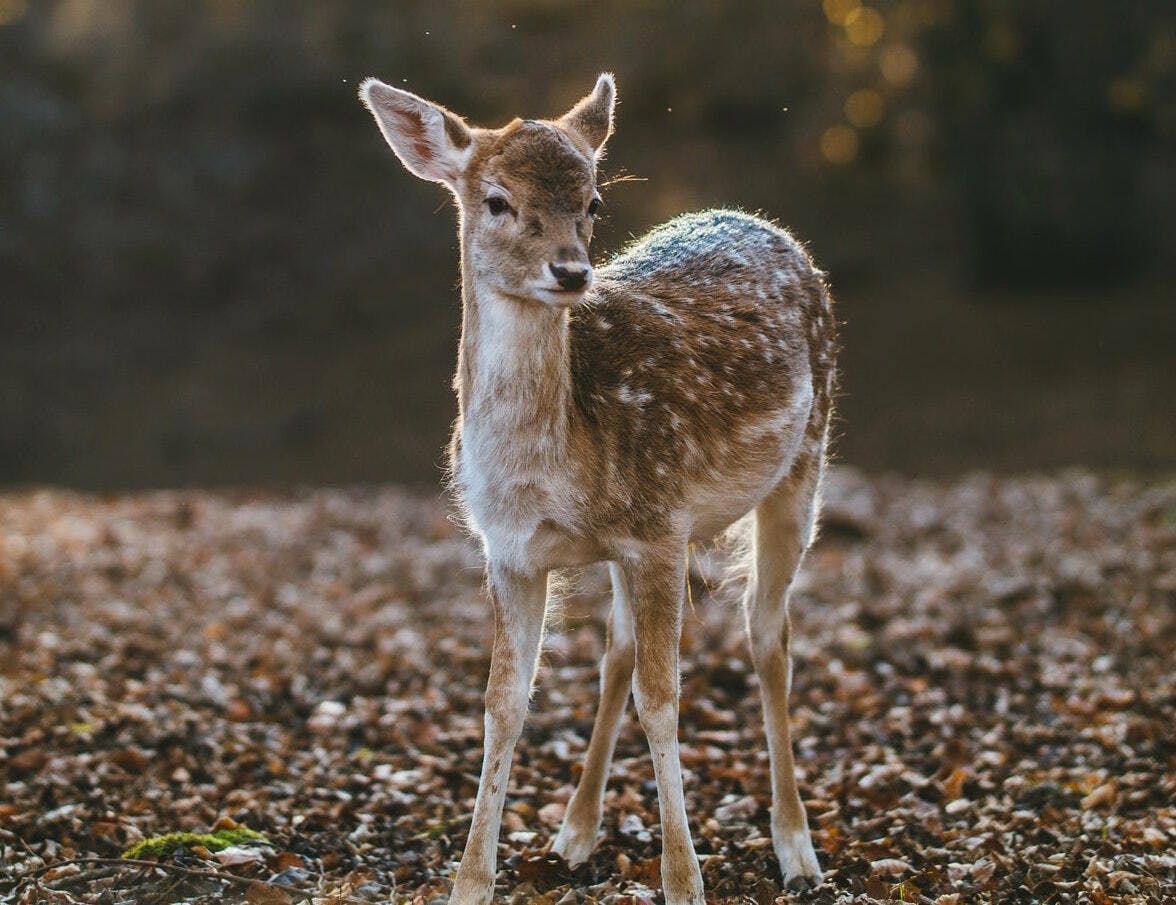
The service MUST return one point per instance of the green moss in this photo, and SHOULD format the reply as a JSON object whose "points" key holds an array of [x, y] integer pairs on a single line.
{"points": [[436, 830], [158, 846]]}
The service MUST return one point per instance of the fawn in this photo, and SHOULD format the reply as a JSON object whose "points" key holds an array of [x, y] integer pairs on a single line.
{"points": [[617, 415]]}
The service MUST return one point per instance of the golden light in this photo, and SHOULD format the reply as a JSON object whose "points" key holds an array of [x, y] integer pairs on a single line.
{"points": [[1125, 95], [1162, 53], [838, 11], [898, 64], [12, 11], [864, 108], [839, 144], [864, 26]]}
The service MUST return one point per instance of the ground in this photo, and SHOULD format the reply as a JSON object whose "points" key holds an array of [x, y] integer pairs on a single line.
{"points": [[984, 700]]}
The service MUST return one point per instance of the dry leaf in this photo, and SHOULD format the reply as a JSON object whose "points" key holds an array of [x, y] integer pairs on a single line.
{"points": [[890, 867]]}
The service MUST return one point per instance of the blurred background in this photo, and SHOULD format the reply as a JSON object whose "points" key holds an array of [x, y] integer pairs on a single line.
{"points": [[213, 271]]}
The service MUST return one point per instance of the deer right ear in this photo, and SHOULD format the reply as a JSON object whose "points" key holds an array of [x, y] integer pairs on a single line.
{"points": [[431, 142], [592, 117]]}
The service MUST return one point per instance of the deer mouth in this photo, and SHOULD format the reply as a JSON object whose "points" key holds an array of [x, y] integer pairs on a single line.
{"points": [[559, 297]]}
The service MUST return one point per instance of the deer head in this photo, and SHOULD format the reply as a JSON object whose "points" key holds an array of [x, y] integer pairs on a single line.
{"points": [[527, 192]]}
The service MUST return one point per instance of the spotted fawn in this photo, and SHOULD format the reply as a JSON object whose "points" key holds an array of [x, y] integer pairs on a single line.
{"points": [[619, 414]]}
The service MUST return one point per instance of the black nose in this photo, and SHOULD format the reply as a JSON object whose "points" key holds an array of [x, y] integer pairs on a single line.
{"points": [[570, 276]]}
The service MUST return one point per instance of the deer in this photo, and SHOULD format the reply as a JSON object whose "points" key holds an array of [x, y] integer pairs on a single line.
{"points": [[619, 414]]}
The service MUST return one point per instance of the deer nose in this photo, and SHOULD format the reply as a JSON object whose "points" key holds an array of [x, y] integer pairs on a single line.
{"points": [[570, 276]]}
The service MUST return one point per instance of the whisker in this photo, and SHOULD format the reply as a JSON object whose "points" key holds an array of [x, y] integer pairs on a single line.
{"points": [[624, 177]]}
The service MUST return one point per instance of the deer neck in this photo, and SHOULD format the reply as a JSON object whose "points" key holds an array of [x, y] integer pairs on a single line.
{"points": [[514, 374]]}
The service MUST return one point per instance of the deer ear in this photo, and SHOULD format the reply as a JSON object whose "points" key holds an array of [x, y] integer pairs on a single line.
{"points": [[431, 142], [592, 117]]}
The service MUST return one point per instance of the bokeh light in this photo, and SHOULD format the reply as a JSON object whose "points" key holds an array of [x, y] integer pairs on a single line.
{"points": [[839, 144], [1125, 95], [898, 64], [1161, 56], [864, 26], [864, 108], [839, 11]]}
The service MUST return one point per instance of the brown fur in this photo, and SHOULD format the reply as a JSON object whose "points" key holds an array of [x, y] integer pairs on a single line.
{"points": [[690, 384]]}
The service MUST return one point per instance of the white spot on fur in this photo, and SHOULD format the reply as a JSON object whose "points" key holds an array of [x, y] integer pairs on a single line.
{"points": [[629, 397]]}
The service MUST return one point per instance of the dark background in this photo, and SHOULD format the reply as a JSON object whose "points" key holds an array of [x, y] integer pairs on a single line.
{"points": [[212, 270]]}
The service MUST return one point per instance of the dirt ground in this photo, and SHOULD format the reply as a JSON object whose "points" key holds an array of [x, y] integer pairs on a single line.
{"points": [[984, 701]]}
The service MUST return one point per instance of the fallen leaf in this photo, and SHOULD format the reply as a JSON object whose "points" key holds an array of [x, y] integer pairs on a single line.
{"points": [[239, 854], [890, 867], [262, 894], [1102, 796]]}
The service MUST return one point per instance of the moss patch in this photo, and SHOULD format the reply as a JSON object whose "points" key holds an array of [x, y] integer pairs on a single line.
{"points": [[158, 846]]}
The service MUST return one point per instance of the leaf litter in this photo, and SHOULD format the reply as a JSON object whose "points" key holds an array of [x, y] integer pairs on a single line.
{"points": [[983, 707]]}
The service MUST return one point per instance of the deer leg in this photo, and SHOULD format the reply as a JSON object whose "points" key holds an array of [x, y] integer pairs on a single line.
{"points": [[657, 582], [783, 529], [519, 604], [577, 836]]}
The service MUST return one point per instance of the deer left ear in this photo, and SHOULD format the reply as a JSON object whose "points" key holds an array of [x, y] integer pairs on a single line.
{"points": [[430, 141], [592, 117]]}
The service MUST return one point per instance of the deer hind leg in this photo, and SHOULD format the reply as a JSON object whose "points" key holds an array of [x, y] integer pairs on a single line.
{"points": [[783, 530], [658, 583], [519, 605], [577, 836]]}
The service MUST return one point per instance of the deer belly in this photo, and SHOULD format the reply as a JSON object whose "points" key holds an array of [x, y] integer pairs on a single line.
{"points": [[715, 504], [713, 509]]}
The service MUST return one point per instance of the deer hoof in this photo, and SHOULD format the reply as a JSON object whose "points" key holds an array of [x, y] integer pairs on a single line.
{"points": [[798, 862]]}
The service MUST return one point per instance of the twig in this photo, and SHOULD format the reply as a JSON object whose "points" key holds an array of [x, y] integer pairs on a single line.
{"points": [[164, 896], [43, 890], [204, 874]]}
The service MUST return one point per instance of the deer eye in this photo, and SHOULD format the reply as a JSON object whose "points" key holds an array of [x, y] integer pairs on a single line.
{"points": [[497, 205], [593, 207]]}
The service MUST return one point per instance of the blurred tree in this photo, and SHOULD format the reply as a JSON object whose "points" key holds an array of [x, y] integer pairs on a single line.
{"points": [[211, 269], [1046, 114]]}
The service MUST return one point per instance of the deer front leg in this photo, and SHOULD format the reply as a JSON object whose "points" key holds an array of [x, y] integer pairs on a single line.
{"points": [[519, 604], [658, 582], [577, 836]]}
